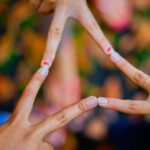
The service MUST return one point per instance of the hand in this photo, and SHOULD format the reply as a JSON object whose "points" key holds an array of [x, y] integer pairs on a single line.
{"points": [[63, 86], [129, 106], [64, 10], [19, 134]]}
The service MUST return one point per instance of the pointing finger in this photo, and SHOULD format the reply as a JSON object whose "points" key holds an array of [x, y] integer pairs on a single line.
{"points": [[125, 106], [61, 118]]}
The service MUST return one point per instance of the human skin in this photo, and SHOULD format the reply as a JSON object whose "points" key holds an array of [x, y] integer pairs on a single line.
{"points": [[141, 107], [63, 85], [19, 134], [65, 9]]}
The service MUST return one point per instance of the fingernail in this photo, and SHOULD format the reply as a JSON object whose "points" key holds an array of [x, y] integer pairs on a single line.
{"points": [[115, 57], [44, 71], [92, 102], [45, 64], [102, 101]]}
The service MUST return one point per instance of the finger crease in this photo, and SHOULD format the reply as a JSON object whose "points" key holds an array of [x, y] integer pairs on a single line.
{"points": [[132, 107], [61, 117], [55, 32], [82, 107]]}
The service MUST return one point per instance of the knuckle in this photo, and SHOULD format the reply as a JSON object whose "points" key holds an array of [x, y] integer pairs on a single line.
{"points": [[61, 117], [55, 32], [140, 77], [132, 107], [82, 106]]}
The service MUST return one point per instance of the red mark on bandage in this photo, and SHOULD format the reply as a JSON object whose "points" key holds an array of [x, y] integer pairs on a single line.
{"points": [[109, 49], [46, 63]]}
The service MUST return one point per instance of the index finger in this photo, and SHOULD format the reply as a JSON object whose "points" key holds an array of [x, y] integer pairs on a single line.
{"points": [[126, 106], [137, 76], [54, 36], [27, 99], [61, 118], [90, 24]]}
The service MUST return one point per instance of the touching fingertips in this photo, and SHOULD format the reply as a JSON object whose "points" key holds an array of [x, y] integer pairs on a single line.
{"points": [[44, 71], [91, 102], [102, 101]]}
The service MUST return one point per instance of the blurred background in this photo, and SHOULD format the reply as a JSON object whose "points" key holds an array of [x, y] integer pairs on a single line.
{"points": [[80, 69]]}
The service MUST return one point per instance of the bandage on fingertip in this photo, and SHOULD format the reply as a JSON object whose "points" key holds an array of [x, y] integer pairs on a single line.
{"points": [[45, 64]]}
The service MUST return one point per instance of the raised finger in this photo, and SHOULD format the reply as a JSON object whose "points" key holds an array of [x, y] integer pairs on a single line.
{"points": [[137, 76], [125, 106], [26, 101], [61, 118], [88, 21], [54, 35]]}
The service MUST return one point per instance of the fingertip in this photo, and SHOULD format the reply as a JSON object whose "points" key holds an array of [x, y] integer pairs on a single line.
{"points": [[44, 71], [102, 101], [91, 102], [115, 57]]}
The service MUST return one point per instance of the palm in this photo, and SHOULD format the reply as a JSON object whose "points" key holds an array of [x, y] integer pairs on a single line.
{"points": [[21, 138]]}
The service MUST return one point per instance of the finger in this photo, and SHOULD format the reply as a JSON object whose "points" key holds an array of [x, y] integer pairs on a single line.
{"points": [[26, 101], [90, 24], [54, 35], [125, 106], [61, 118], [137, 76]]}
